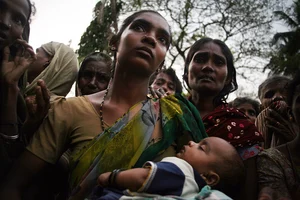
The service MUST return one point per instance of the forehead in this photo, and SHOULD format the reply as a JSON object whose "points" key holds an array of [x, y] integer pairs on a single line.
{"points": [[217, 144], [155, 19], [275, 85], [97, 66], [17, 6], [210, 47], [164, 76]]}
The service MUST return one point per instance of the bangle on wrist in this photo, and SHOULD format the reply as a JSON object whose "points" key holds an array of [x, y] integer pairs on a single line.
{"points": [[112, 177], [9, 137]]}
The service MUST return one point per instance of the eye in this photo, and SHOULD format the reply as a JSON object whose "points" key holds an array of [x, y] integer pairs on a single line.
{"points": [[219, 62], [252, 113], [201, 147], [88, 75], [171, 86], [269, 94], [163, 40], [138, 28], [20, 21], [199, 59]]}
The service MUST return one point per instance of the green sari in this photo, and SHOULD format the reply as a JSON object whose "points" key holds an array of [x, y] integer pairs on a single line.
{"points": [[146, 131]]}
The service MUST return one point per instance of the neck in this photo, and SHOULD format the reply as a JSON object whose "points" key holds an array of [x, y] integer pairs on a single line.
{"points": [[128, 89], [203, 103]]}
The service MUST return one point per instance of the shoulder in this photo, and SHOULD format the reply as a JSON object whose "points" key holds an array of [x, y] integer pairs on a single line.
{"points": [[272, 154]]}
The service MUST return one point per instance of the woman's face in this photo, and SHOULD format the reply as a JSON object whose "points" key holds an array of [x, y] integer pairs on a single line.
{"points": [[273, 91], [144, 43], [164, 81], [208, 70], [296, 105], [249, 111], [95, 77], [41, 62], [13, 18]]}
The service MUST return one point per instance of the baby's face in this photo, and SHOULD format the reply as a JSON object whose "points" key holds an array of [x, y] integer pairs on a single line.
{"points": [[201, 156]]}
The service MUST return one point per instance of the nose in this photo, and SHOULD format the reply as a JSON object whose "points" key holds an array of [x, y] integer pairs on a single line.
{"points": [[208, 67], [93, 81], [150, 40], [191, 143], [277, 97]]}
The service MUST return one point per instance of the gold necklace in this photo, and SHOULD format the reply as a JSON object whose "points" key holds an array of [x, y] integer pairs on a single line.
{"points": [[101, 110]]}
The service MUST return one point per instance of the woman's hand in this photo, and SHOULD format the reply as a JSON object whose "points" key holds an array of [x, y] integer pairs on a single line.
{"points": [[11, 71], [37, 108], [38, 105], [158, 93], [281, 124]]}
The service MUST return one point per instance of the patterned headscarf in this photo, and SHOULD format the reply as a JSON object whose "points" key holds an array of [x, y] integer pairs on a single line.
{"points": [[233, 126]]}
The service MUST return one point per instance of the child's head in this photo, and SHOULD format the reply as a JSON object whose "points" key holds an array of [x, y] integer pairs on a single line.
{"points": [[217, 161]]}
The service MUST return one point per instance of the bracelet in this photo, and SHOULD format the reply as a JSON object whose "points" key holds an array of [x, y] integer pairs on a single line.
{"points": [[9, 137], [112, 176]]}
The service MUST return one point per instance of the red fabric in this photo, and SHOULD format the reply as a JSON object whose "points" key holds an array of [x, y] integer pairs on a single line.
{"points": [[233, 126]]}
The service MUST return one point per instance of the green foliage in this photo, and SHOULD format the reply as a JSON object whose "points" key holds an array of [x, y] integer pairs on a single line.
{"points": [[97, 35], [286, 57]]}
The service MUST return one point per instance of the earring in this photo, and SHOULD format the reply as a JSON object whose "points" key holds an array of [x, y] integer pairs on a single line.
{"points": [[113, 48]]}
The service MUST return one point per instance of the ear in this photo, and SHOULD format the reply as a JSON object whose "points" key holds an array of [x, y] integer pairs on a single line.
{"points": [[211, 178], [113, 43]]}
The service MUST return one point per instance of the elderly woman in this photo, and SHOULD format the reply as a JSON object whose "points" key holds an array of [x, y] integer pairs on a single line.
{"points": [[278, 167]]}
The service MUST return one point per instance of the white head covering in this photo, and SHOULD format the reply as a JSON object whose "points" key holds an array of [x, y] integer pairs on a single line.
{"points": [[60, 74]]}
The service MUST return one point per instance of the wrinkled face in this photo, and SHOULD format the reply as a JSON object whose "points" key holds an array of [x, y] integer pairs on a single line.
{"points": [[208, 70], [201, 156], [143, 44], [272, 92], [249, 111], [164, 81], [41, 62], [95, 77], [296, 105], [13, 18]]}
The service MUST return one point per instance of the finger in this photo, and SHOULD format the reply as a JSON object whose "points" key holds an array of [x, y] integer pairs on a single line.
{"points": [[39, 98], [6, 53], [45, 91], [30, 105], [152, 90]]}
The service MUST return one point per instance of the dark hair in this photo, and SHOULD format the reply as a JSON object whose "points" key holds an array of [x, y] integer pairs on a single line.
{"points": [[96, 56], [116, 38], [273, 79], [128, 20], [171, 72], [229, 87], [242, 100], [232, 174], [292, 88], [26, 30]]}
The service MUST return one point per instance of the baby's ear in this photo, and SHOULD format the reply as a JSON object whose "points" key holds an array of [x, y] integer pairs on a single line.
{"points": [[211, 178]]}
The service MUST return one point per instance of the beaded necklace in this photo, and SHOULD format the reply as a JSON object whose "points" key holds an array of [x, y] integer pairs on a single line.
{"points": [[101, 109]]}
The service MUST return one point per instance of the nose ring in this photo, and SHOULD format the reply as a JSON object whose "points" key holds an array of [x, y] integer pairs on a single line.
{"points": [[9, 25]]}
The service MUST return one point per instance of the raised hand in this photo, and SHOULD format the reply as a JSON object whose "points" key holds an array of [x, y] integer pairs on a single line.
{"points": [[12, 70]]}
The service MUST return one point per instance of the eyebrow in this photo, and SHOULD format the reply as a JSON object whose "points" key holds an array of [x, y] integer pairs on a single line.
{"points": [[147, 23], [205, 53]]}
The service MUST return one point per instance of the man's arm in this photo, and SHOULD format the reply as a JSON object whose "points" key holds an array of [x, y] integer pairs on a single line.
{"points": [[20, 176]]}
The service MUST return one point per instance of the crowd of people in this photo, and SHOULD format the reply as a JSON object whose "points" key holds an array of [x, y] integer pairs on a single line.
{"points": [[131, 132]]}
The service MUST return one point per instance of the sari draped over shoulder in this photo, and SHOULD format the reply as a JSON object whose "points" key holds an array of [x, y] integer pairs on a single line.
{"points": [[234, 127], [142, 134]]}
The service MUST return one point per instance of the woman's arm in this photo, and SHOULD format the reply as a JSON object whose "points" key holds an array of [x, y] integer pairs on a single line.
{"points": [[21, 175]]}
